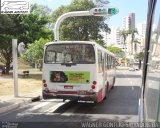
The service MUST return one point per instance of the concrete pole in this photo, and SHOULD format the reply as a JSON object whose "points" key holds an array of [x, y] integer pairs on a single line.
{"points": [[15, 66]]}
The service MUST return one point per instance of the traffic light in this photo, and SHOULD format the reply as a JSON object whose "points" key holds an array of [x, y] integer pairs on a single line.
{"points": [[111, 11], [104, 11], [99, 11]]}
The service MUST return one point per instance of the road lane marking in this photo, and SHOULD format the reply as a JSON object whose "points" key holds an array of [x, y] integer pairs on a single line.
{"points": [[43, 103], [52, 109], [38, 106], [131, 82]]}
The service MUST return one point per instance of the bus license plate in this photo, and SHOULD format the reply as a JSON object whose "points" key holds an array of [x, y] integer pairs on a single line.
{"points": [[68, 87]]}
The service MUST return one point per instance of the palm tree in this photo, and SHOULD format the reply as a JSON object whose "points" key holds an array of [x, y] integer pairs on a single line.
{"points": [[124, 33], [132, 32], [139, 56], [136, 41]]}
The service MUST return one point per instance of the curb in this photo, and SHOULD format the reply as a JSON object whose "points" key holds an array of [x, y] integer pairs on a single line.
{"points": [[16, 105]]}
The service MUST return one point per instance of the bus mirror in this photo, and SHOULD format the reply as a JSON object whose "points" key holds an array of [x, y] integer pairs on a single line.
{"points": [[21, 48]]}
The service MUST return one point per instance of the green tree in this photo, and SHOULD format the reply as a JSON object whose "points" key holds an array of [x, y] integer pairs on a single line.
{"points": [[124, 34], [139, 57], [10, 28], [80, 28], [34, 52], [6, 51], [132, 32], [26, 28], [40, 16], [136, 41], [117, 51]]}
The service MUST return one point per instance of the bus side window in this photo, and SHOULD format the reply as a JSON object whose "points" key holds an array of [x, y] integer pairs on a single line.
{"points": [[109, 62], [106, 61], [100, 62], [112, 62]]}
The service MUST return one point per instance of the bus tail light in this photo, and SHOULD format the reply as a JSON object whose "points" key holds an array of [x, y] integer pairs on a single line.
{"points": [[94, 82], [93, 86], [44, 83]]}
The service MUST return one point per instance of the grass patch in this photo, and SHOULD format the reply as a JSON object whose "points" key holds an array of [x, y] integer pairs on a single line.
{"points": [[23, 64], [25, 85]]}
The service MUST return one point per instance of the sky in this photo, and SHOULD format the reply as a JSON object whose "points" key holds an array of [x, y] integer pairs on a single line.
{"points": [[139, 7]]}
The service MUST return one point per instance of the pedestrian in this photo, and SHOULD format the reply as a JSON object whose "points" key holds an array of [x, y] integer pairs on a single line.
{"points": [[3, 70]]}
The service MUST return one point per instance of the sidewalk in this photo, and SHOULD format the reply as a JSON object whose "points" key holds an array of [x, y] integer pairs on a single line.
{"points": [[8, 103]]}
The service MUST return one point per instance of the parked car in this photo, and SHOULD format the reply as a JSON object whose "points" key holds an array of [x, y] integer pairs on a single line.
{"points": [[133, 68]]}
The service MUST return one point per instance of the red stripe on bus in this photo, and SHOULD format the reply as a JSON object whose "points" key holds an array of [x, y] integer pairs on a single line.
{"points": [[52, 92], [100, 96], [66, 92]]}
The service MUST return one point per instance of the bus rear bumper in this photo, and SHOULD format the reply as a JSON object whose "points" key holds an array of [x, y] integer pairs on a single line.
{"points": [[91, 97]]}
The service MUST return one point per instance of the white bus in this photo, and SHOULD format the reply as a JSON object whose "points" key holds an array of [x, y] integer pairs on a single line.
{"points": [[77, 70]]}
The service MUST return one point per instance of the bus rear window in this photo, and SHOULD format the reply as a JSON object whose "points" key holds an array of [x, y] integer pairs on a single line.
{"points": [[70, 53]]}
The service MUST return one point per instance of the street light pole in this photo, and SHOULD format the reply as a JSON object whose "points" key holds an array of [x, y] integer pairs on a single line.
{"points": [[99, 11], [15, 66], [64, 16]]}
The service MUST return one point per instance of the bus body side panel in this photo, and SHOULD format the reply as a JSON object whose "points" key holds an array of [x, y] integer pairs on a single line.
{"points": [[105, 73], [111, 78], [100, 86]]}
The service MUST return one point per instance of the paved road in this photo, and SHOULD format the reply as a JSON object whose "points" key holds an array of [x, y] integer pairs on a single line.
{"points": [[122, 105]]}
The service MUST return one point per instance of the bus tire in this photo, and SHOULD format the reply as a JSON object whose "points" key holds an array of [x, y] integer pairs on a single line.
{"points": [[113, 82], [107, 92]]}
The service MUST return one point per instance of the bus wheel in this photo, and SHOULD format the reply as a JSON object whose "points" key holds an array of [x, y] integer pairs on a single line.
{"points": [[107, 92], [113, 82]]}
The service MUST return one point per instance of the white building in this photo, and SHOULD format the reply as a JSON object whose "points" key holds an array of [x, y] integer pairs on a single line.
{"points": [[123, 23], [128, 21], [141, 28], [113, 38], [131, 21]]}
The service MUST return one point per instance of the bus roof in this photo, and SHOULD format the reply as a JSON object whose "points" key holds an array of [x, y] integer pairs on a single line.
{"points": [[81, 42]]}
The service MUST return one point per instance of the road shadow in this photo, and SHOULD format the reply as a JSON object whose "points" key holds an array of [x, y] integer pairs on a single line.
{"points": [[123, 100], [121, 106], [127, 76]]}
